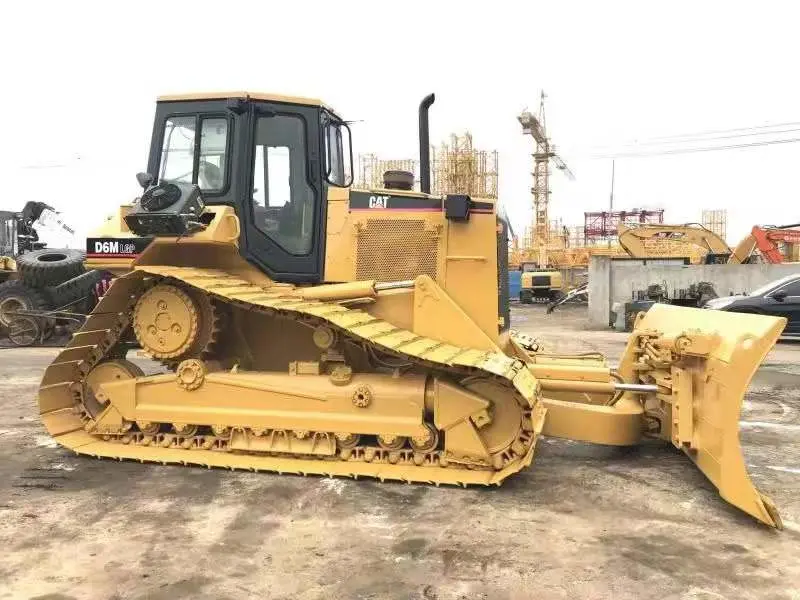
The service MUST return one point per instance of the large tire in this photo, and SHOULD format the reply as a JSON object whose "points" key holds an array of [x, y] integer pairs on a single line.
{"points": [[75, 289], [49, 267], [15, 295]]}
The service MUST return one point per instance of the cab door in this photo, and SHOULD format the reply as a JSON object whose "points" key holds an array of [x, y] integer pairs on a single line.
{"points": [[283, 214]]}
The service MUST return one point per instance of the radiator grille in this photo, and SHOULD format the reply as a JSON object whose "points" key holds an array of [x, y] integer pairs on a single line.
{"points": [[396, 249]]}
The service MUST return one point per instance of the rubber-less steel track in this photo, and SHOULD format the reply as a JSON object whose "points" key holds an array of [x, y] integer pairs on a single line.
{"points": [[63, 404]]}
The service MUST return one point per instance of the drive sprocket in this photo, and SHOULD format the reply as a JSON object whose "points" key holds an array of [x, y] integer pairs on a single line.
{"points": [[171, 323]]}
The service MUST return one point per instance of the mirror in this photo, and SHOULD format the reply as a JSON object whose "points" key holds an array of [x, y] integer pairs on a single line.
{"points": [[338, 152], [780, 295], [144, 179]]}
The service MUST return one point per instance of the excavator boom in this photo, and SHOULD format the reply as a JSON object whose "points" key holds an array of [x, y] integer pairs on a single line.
{"points": [[643, 240]]}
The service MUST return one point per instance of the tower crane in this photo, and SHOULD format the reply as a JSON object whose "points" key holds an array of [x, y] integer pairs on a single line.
{"points": [[535, 126]]}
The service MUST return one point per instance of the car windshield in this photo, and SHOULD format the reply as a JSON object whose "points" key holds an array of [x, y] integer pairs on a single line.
{"points": [[771, 285]]}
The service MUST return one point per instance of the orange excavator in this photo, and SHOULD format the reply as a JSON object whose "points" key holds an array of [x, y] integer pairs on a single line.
{"points": [[766, 240]]}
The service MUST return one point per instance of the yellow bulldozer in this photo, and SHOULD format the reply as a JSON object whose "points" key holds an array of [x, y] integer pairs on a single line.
{"points": [[306, 327]]}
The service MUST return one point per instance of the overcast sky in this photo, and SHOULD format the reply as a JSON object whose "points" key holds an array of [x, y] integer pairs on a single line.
{"points": [[80, 81]]}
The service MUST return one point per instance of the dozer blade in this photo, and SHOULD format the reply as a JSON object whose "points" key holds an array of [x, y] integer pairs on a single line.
{"points": [[702, 362]]}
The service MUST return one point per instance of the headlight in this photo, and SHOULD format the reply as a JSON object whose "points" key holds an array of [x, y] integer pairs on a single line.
{"points": [[718, 303]]}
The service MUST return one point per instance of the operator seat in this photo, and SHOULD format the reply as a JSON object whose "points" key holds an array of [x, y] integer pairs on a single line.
{"points": [[210, 176]]}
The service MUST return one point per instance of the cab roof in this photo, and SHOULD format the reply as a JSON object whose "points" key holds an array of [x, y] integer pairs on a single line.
{"points": [[244, 96]]}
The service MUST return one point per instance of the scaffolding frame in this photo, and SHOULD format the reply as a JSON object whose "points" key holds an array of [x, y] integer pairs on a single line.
{"points": [[371, 169], [716, 220], [458, 168], [602, 226]]}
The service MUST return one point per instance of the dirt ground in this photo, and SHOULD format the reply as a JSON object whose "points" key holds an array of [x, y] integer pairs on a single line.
{"points": [[584, 522]]}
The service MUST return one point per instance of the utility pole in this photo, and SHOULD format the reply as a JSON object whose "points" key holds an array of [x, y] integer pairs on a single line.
{"points": [[611, 197]]}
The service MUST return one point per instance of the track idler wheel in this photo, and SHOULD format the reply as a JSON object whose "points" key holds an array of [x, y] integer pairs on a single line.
{"points": [[109, 371]]}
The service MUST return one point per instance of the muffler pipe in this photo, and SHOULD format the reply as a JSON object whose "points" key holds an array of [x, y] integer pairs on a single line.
{"points": [[425, 145]]}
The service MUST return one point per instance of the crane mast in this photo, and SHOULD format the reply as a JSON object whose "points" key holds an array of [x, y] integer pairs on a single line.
{"points": [[535, 126]]}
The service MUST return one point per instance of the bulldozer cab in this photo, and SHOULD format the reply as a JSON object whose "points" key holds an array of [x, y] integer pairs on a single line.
{"points": [[272, 158]]}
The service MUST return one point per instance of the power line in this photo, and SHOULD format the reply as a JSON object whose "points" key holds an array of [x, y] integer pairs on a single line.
{"points": [[692, 150], [708, 135], [708, 139], [732, 130]]}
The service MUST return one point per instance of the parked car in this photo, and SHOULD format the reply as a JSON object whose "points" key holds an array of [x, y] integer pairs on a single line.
{"points": [[780, 298]]}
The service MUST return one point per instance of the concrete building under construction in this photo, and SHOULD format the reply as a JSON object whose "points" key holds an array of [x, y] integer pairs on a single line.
{"points": [[457, 167]]}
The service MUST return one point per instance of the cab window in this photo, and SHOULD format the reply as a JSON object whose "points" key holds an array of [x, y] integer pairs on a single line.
{"points": [[213, 154], [187, 159], [177, 154], [338, 151], [283, 199]]}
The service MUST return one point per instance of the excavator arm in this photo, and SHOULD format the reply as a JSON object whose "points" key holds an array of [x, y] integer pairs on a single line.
{"points": [[764, 239], [743, 250], [637, 239]]}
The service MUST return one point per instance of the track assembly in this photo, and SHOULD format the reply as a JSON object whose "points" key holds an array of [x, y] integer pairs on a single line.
{"points": [[203, 413]]}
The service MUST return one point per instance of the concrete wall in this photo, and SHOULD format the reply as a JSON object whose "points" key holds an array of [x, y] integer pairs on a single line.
{"points": [[615, 280]]}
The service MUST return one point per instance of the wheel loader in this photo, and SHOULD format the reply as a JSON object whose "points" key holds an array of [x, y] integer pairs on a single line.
{"points": [[303, 326]]}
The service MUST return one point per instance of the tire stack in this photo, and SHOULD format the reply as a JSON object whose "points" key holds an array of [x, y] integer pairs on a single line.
{"points": [[47, 279]]}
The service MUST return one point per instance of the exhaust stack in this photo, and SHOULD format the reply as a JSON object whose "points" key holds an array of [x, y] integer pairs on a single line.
{"points": [[425, 145]]}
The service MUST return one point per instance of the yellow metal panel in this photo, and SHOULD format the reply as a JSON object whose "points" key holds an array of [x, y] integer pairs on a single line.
{"points": [[618, 425], [397, 338], [742, 343], [279, 401], [373, 330], [437, 315], [56, 396], [222, 95], [442, 354], [62, 421]]}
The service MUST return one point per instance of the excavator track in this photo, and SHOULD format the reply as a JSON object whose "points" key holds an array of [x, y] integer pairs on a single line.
{"points": [[73, 405]]}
